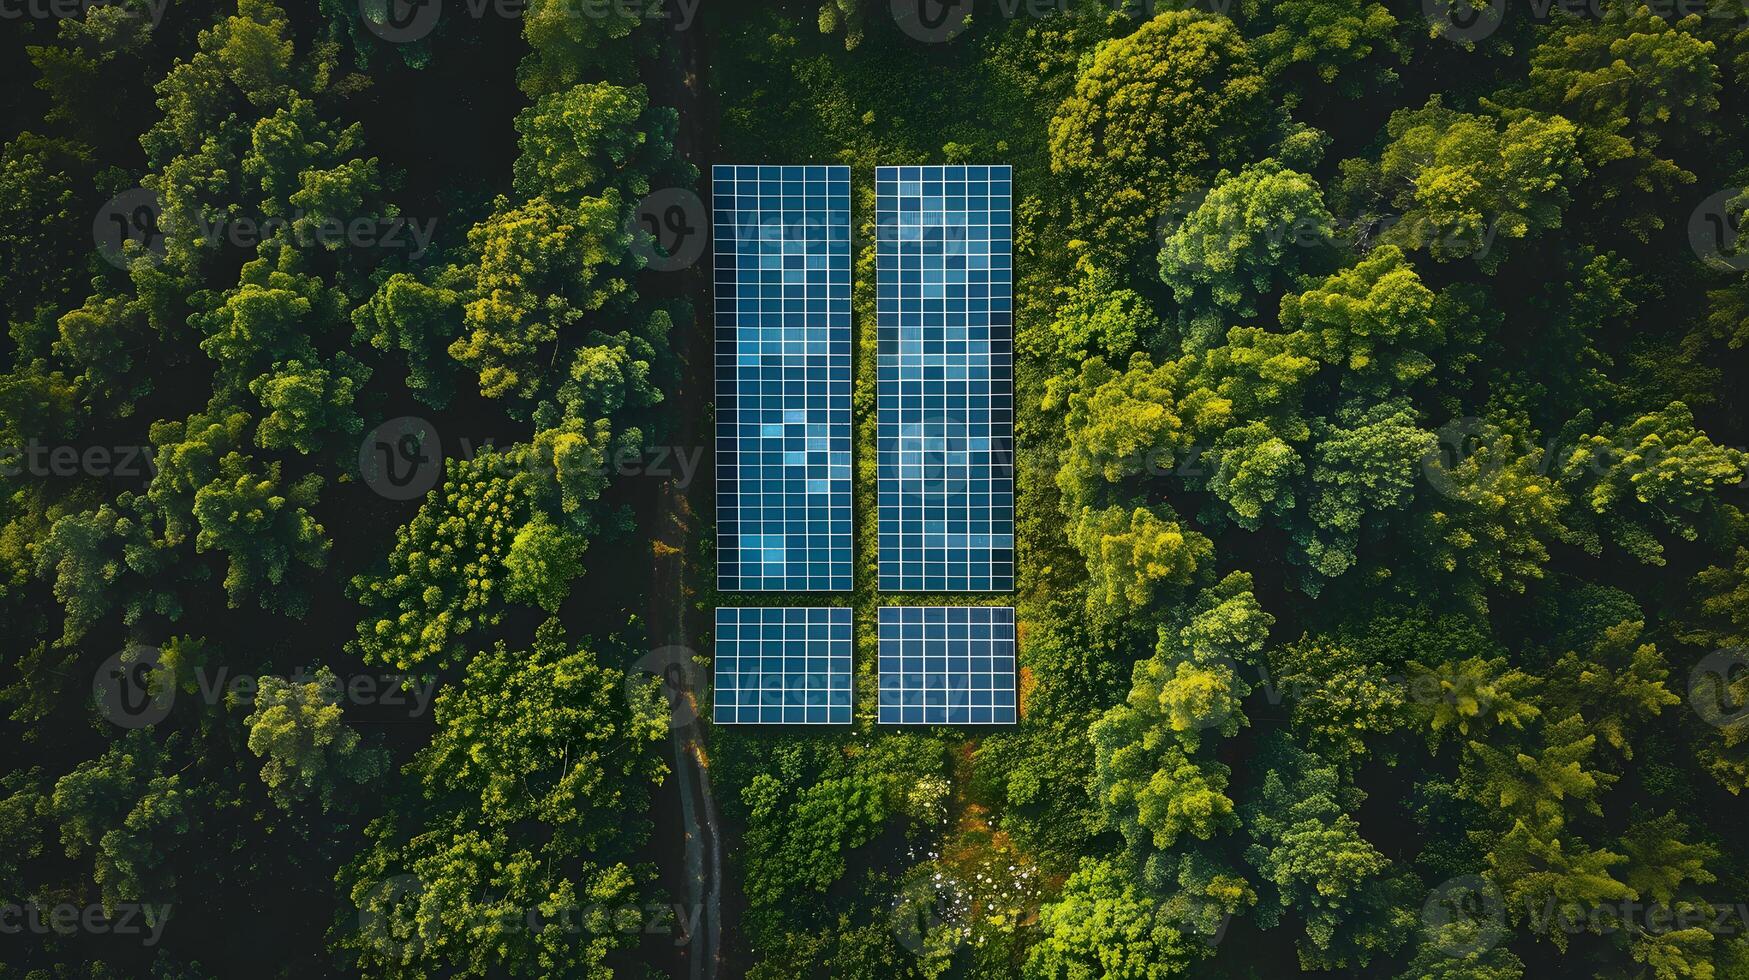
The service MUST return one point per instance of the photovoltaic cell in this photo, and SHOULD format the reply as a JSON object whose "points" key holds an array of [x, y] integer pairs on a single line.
{"points": [[949, 665], [945, 405], [782, 666], [782, 276]]}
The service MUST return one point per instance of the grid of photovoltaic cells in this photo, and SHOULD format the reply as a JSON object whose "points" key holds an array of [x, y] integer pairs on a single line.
{"points": [[782, 251], [782, 666], [949, 665], [945, 352]]}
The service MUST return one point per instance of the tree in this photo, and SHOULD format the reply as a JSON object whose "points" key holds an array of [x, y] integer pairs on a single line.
{"points": [[1310, 848], [1130, 554], [309, 752], [1254, 234], [1637, 85], [1179, 97], [585, 139], [1656, 473], [518, 846], [1103, 925], [445, 575], [1326, 43], [1462, 186]]}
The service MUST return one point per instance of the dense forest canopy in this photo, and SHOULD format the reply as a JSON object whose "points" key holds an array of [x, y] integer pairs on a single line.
{"points": [[1382, 539]]}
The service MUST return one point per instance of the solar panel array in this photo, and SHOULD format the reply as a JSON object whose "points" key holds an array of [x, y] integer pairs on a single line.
{"points": [[946, 665], [945, 426], [945, 441], [782, 251], [782, 666]]}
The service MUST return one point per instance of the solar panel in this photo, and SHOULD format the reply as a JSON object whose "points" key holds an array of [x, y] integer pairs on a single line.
{"points": [[945, 404], [782, 249], [782, 666], [950, 665]]}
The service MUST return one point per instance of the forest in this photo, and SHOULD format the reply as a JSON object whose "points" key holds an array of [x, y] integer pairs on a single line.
{"points": [[1382, 543]]}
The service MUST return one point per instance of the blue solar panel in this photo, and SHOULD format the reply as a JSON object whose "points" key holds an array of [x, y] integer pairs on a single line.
{"points": [[783, 378], [945, 426], [782, 666], [947, 666]]}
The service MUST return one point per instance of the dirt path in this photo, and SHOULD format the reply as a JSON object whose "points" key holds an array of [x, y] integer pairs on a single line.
{"points": [[682, 84]]}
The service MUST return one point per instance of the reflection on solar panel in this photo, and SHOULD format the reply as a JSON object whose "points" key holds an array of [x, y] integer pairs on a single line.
{"points": [[945, 427], [783, 378], [782, 666], [946, 666]]}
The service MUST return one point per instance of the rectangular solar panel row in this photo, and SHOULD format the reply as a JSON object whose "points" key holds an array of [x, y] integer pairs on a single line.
{"points": [[793, 666], [949, 665], [944, 313], [782, 666], [782, 277]]}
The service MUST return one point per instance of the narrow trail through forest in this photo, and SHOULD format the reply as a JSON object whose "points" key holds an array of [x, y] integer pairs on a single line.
{"points": [[680, 84]]}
